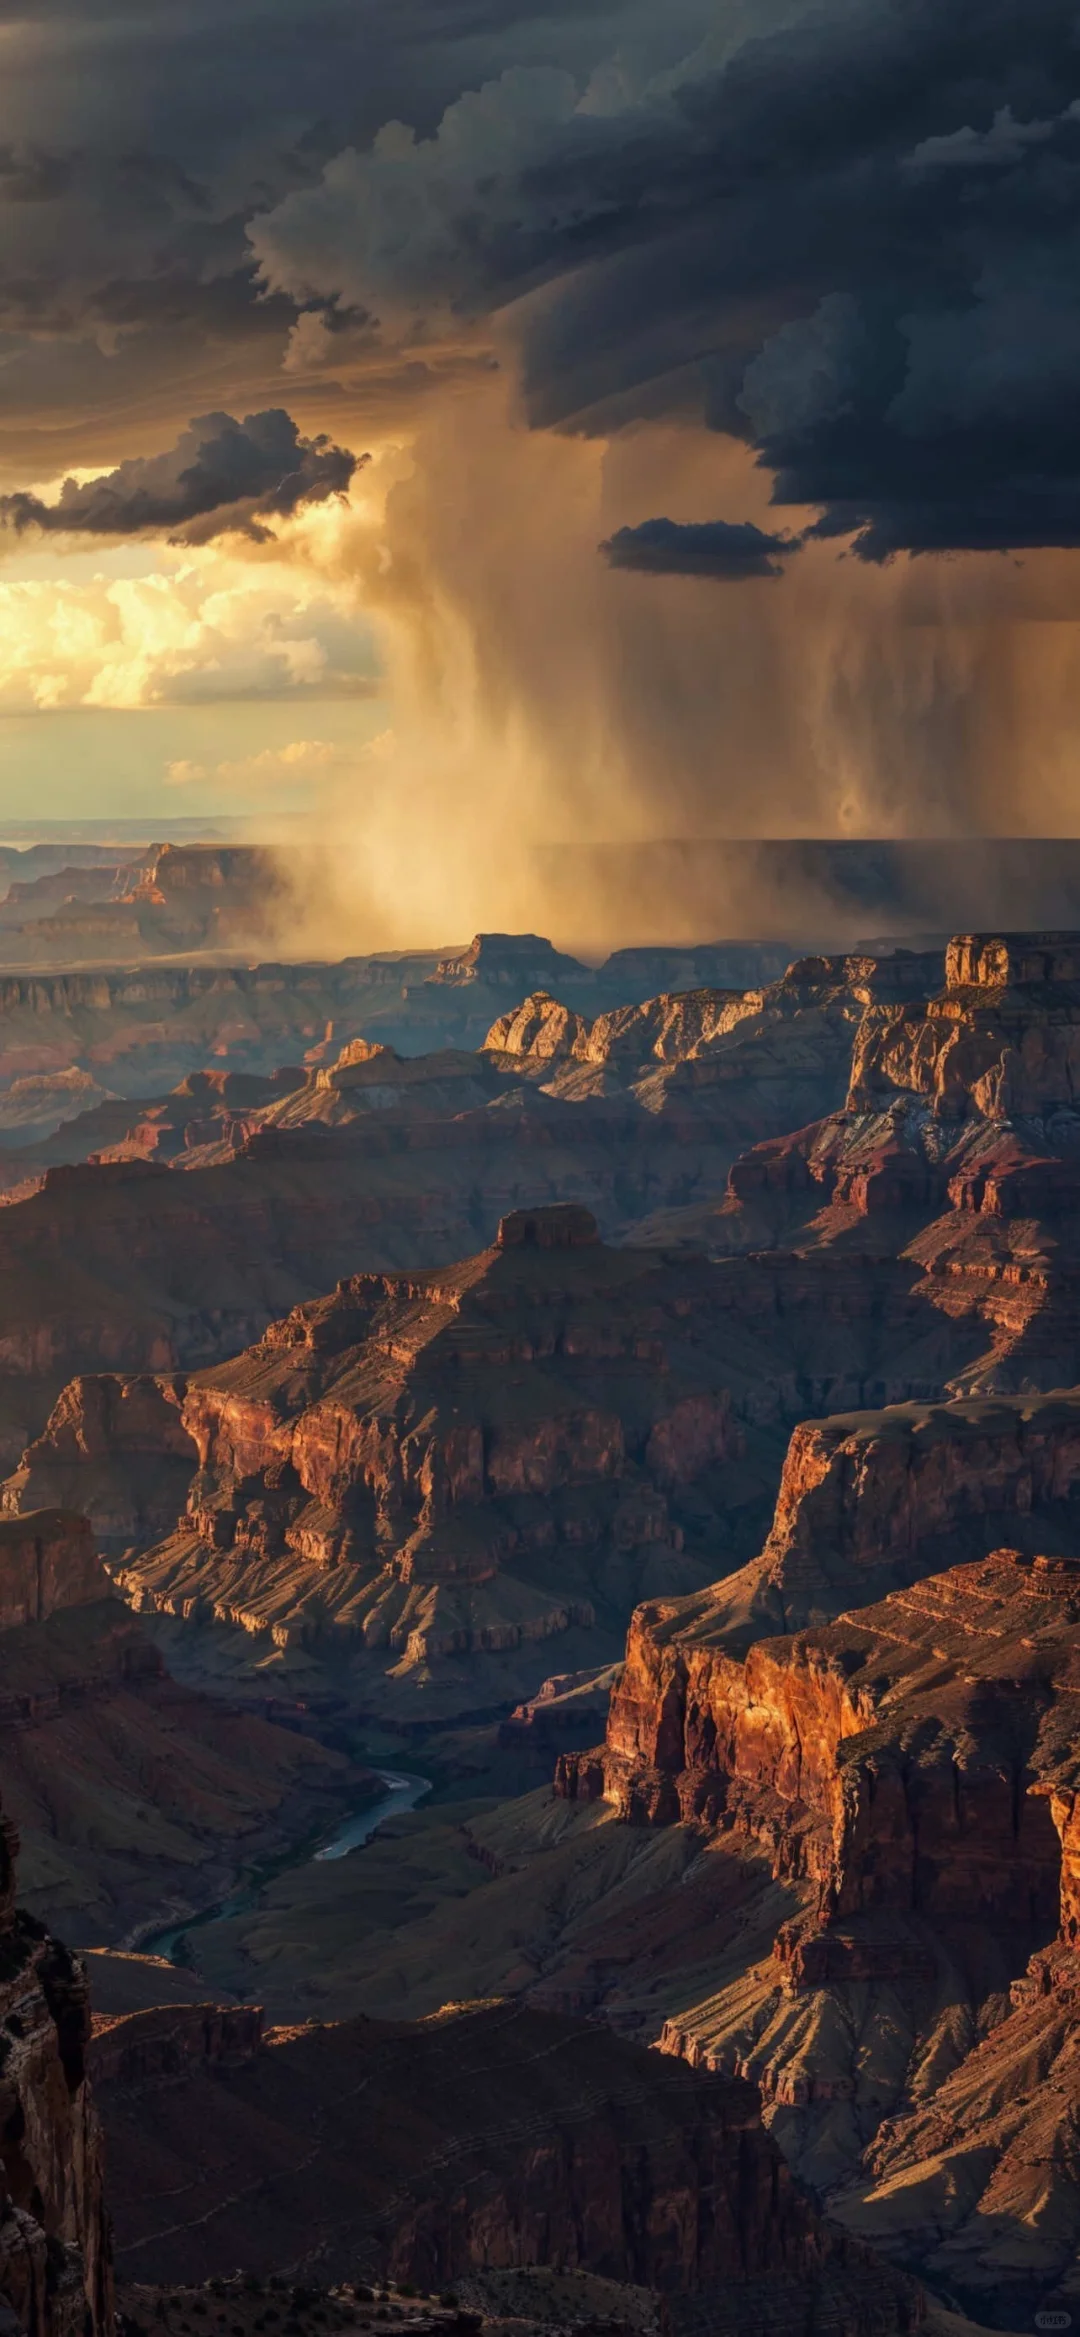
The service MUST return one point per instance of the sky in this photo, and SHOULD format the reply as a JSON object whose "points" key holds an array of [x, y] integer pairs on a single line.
{"points": [[465, 430]]}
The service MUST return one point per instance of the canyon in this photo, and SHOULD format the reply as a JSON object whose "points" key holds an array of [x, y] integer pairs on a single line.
{"points": [[692, 1370], [379, 1161]]}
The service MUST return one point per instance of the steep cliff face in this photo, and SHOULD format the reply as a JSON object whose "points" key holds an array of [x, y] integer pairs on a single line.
{"points": [[871, 1501], [908, 1756], [910, 1770], [460, 1463], [142, 1028], [55, 2242], [48, 1561], [115, 1449]]}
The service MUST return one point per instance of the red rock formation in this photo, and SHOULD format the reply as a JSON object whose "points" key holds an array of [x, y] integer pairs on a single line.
{"points": [[910, 1772], [459, 1462], [115, 1449], [569, 1708], [489, 2136], [908, 1756], [55, 2243], [873, 1500], [48, 1561], [980, 2181], [135, 2049]]}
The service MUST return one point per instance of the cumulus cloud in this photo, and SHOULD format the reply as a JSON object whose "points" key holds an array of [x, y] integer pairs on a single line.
{"points": [[221, 476], [418, 231], [725, 549], [194, 634], [293, 773]]}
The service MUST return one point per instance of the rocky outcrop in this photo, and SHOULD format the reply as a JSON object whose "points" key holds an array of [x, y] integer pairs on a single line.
{"points": [[979, 2183], [55, 2242], [910, 1772], [906, 1757], [871, 1501], [570, 1708], [958, 1153], [489, 2136], [116, 1449], [48, 1561], [799, 1028], [166, 2041], [1002, 1040], [464, 1462]]}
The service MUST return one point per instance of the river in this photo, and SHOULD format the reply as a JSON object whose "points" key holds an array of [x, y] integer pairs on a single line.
{"points": [[403, 1792]]}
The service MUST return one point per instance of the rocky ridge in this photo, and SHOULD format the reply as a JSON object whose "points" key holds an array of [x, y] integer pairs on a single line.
{"points": [[55, 2241], [423, 1473], [871, 1501], [455, 1464], [491, 2136]]}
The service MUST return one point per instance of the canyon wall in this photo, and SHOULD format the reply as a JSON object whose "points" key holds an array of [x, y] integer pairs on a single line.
{"points": [[489, 2136], [55, 2241], [48, 1560]]}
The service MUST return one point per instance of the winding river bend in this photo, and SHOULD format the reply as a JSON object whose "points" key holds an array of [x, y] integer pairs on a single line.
{"points": [[401, 1792]]}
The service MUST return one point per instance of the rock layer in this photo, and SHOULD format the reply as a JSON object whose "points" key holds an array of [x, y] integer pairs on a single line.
{"points": [[489, 2136], [55, 2241], [871, 1501], [461, 1462]]}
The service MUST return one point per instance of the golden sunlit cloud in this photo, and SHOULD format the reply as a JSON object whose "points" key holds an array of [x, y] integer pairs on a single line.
{"points": [[191, 628]]}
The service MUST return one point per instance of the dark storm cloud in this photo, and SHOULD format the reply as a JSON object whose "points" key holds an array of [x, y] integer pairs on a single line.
{"points": [[862, 231], [871, 243], [220, 475], [717, 547], [136, 144]]}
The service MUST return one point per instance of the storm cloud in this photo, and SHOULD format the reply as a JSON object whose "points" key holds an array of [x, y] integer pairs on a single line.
{"points": [[222, 475], [853, 243], [720, 548]]}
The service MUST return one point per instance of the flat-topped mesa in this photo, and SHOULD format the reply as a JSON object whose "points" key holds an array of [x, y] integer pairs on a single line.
{"points": [[503, 959], [913, 1758], [563, 1226]]}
